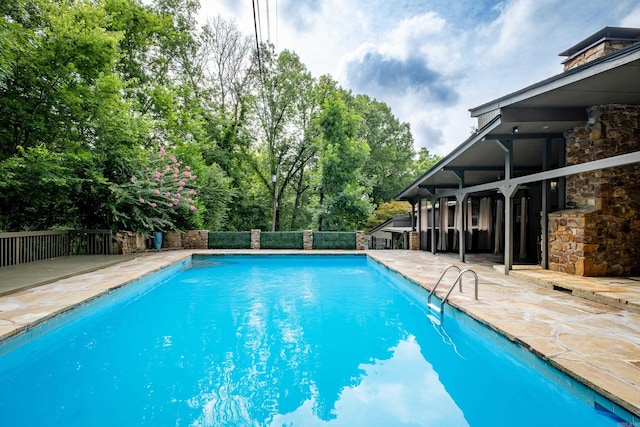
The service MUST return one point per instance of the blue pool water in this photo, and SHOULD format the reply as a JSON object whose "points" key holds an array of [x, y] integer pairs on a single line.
{"points": [[275, 341]]}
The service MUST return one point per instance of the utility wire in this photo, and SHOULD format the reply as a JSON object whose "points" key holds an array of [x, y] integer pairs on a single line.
{"points": [[255, 27], [268, 24], [259, 19]]}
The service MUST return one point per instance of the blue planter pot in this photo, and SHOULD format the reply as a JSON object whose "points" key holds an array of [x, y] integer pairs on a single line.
{"points": [[157, 239]]}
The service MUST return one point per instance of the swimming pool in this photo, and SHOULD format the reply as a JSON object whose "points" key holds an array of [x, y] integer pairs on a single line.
{"points": [[274, 340]]}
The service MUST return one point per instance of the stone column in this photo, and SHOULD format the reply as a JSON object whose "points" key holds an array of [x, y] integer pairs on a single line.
{"points": [[360, 240], [307, 240], [255, 239], [414, 241]]}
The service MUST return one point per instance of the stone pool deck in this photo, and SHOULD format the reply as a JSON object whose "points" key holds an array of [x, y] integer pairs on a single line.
{"points": [[588, 328]]}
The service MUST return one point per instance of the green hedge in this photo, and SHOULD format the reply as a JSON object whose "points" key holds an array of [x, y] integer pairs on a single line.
{"points": [[229, 240], [281, 240], [334, 240]]}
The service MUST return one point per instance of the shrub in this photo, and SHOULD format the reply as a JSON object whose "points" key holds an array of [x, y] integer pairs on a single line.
{"points": [[334, 240], [229, 240], [281, 240]]}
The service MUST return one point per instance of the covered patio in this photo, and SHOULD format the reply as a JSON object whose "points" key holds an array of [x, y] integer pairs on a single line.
{"points": [[518, 158]]}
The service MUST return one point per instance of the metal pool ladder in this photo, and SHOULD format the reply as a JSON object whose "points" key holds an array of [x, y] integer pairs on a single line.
{"points": [[458, 281]]}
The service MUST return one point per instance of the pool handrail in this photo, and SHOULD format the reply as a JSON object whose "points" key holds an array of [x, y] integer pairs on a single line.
{"points": [[458, 281]]}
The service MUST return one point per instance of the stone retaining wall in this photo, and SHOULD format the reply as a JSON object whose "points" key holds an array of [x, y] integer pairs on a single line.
{"points": [[128, 242], [172, 239], [195, 239]]}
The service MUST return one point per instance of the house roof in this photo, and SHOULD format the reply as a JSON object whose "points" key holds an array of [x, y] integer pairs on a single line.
{"points": [[607, 33], [398, 229], [527, 119], [394, 222]]}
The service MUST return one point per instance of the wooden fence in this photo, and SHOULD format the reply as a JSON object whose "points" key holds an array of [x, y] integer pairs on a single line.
{"points": [[27, 246]]}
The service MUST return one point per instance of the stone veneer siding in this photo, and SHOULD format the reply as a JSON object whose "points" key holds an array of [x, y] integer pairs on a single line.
{"points": [[600, 234], [595, 52], [414, 241]]}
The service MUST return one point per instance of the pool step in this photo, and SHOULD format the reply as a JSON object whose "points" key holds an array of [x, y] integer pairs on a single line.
{"points": [[434, 308]]}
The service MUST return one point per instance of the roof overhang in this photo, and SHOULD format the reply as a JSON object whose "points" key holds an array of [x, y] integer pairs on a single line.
{"points": [[531, 123], [397, 229]]}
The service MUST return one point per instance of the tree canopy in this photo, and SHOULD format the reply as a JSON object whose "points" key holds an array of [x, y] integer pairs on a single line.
{"points": [[129, 115]]}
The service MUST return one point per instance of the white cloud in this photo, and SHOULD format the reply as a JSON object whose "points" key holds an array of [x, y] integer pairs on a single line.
{"points": [[404, 390], [632, 20], [431, 61]]}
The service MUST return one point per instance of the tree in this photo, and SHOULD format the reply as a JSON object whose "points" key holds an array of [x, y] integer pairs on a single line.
{"points": [[282, 110], [60, 53], [157, 196], [388, 168], [342, 197], [388, 210], [423, 162], [89, 88], [43, 189]]}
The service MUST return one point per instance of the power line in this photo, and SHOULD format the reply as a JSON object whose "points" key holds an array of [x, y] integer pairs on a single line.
{"points": [[268, 24], [257, 8], [255, 27]]}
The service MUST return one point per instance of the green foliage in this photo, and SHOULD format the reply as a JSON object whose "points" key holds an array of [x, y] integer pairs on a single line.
{"points": [[160, 191], [387, 210], [59, 52], [282, 112], [343, 201], [229, 240], [88, 89], [215, 197], [388, 168], [281, 240], [334, 240], [43, 189], [424, 162]]}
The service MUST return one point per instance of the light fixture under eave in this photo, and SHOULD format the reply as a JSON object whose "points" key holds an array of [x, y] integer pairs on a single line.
{"points": [[514, 130]]}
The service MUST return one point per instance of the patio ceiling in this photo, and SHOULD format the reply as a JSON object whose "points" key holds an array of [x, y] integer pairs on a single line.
{"points": [[541, 113]]}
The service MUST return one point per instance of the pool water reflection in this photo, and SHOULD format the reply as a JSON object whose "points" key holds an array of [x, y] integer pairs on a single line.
{"points": [[276, 340]]}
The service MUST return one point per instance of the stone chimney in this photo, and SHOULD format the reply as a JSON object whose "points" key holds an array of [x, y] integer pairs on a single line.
{"points": [[602, 43]]}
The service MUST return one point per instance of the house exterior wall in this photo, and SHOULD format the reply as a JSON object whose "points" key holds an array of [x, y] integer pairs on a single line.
{"points": [[600, 234]]}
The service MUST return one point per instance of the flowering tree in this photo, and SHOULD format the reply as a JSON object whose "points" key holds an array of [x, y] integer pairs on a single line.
{"points": [[150, 199]]}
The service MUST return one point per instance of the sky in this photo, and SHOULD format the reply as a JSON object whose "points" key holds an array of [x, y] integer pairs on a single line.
{"points": [[429, 60]]}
